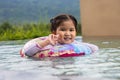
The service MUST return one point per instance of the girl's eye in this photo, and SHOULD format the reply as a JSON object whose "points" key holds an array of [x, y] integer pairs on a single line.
{"points": [[62, 29], [72, 30]]}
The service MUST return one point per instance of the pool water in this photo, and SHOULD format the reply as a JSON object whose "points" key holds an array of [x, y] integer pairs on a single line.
{"points": [[102, 65]]}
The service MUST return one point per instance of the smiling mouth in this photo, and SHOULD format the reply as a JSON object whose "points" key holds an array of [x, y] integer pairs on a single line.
{"points": [[67, 39]]}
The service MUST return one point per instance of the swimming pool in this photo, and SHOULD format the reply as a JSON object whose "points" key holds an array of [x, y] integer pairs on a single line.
{"points": [[103, 65]]}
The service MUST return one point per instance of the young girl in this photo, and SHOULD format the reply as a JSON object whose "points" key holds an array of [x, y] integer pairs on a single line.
{"points": [[61, 42]]}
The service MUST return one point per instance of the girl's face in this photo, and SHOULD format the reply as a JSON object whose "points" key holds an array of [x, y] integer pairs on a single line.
{"points": [[66, 32]]}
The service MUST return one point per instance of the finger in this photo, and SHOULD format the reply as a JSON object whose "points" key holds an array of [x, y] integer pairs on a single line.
{"points": [[56, 37], [51, 39]]}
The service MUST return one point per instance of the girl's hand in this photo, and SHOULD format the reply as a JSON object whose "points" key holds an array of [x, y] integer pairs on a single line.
{"points": [[53, 38]]}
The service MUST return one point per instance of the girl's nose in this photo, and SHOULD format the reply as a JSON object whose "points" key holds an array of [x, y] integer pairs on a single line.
{"points": [[67, 33]]}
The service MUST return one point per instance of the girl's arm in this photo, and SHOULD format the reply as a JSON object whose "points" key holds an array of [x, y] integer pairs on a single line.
{"points": [[93, 47], [33, 46], [52, 40], [36, 45]]}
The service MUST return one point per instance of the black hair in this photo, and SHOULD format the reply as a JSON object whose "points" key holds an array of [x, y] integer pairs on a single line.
{"points": [[56, 21]]}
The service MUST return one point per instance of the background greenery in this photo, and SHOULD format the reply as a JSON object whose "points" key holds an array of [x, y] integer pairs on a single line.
{"points": [[25, 31], [24, 19]]}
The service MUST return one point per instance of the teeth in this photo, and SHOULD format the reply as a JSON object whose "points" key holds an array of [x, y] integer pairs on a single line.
{"points": [[67, 38]]}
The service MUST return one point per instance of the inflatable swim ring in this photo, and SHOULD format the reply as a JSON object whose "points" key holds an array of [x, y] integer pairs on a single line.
{"points": [[66, 50]]}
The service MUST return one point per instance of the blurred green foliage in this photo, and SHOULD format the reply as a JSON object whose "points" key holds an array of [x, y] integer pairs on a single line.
{"points": [[25, 31]]}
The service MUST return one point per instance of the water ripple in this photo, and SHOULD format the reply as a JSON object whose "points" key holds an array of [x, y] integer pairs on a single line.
{"points": [[103, 65]]}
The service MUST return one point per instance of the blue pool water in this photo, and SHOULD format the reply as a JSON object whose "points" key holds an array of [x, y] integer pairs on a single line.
{"points": [[103, 65]]}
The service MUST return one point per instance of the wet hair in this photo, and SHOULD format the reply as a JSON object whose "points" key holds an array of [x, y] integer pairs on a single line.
{"points": [[58, 20]]}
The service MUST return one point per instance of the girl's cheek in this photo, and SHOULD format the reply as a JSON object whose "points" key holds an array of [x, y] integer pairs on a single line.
{"points": [[60, 38]]}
